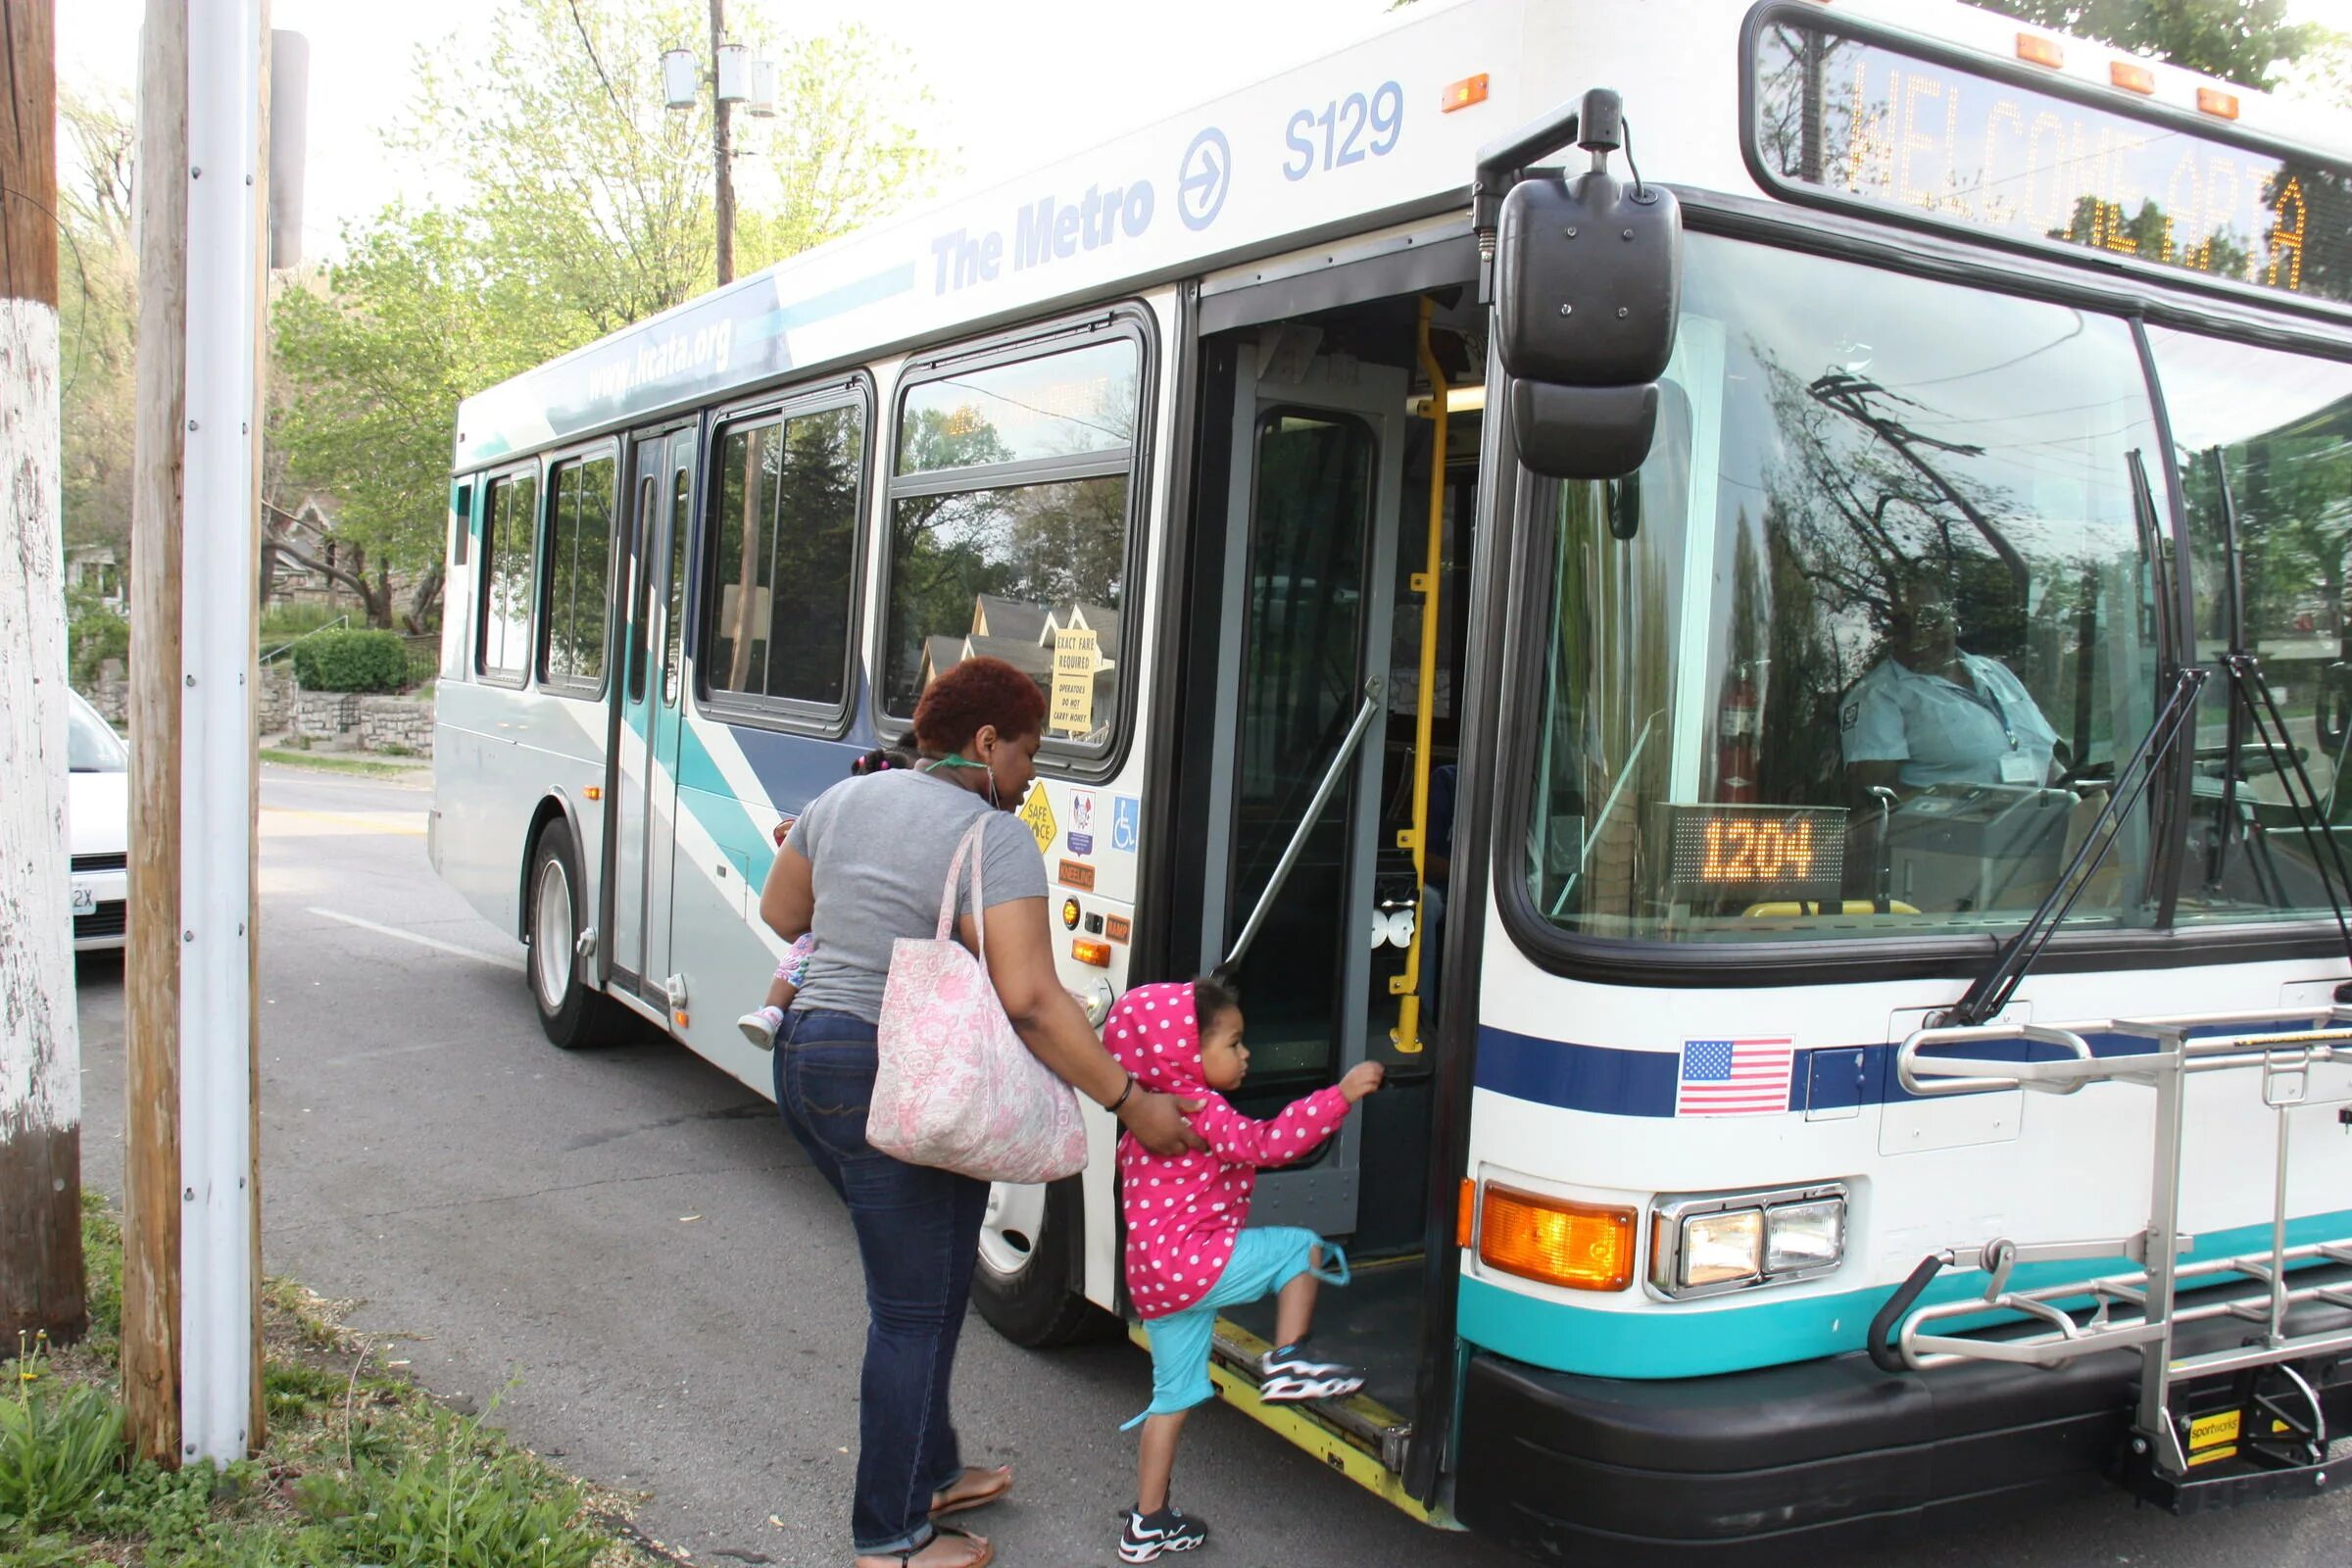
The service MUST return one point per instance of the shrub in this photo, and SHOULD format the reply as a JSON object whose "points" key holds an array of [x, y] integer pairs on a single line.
{"points": [[351, 662], [58, 1450], [455, 1506], [95, 634]]}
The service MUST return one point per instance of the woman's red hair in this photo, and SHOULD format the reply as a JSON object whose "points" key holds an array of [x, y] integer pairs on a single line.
{"points": [[977, 692]]}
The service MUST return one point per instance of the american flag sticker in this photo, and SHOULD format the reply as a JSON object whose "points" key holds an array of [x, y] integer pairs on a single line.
{"points": [[1734, 1077]]}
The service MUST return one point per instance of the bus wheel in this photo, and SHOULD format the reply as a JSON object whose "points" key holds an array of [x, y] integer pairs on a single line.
{"points": [[1029, 1244], [569, 1012]]}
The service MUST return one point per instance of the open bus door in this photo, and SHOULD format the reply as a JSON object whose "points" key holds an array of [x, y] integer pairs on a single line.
{"points": [[1311, 514]]}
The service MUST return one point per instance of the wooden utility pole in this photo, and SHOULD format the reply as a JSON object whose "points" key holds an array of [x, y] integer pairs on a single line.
{"points": [[189, 1368], [40, 1049], [723, 139], [151, 978]]}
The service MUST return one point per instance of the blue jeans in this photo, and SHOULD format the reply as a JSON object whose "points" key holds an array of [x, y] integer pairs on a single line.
{"points": [[918, 1233]]}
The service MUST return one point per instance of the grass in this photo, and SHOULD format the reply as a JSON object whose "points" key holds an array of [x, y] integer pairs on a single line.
{"points": [[361, 1467], [320, 762]]}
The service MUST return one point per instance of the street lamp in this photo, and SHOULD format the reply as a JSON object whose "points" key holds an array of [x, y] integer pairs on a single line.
{"points": [[735, 77]]}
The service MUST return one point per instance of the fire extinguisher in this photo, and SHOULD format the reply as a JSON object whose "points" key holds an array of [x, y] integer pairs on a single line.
{"points": [[1738, 726]]}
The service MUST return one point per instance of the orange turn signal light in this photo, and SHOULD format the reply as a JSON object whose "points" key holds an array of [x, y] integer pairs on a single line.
{"points": [[1463, 93], [2130, 78], [1087, 950], [1585, 1247], [2035, 50], [1466, 1213], [595, 791], [2213, 101]]}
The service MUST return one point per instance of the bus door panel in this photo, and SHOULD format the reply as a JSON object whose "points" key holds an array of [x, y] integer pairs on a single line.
{"points": [[666, 702], [628, 777], [1316, 478]]}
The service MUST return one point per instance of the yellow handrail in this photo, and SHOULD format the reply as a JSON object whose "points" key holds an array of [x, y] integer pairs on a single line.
{"points": [[1406, 1036]]}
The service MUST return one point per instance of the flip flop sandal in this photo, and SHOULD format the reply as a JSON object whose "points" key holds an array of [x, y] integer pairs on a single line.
{"points": [[988, 1550], [1002, 1479]]}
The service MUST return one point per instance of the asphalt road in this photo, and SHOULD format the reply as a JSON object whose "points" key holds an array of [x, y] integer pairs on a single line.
{"points": [[625, 1249]]}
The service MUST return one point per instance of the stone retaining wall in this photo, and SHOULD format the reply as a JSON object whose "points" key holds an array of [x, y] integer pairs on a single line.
{"points": [[372, 723], [396, 721], [325, 715]]}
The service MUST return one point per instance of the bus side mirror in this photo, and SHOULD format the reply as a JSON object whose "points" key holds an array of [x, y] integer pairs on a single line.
{"points": [[1588, 287]]}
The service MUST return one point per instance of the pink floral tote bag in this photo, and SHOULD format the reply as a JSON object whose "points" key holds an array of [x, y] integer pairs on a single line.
{"points": [[955, 1087]]}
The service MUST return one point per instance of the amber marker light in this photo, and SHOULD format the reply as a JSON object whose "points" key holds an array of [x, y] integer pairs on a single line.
{"points": [[2130, 78], [1586, 1247], [2035, 50], [595, 791], [1466, 1213], [1087, 950], [1463, 93], [2213, 101], [1069, 915]]}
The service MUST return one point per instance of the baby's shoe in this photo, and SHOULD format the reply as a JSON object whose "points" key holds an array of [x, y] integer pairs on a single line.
{"points": [[760, 1026]]}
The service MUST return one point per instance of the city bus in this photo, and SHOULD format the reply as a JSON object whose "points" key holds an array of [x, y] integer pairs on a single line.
{"points": [[1750, 597]]}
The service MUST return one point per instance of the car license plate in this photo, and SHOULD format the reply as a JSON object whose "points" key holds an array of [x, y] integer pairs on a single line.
{"points": [[84, 900]]}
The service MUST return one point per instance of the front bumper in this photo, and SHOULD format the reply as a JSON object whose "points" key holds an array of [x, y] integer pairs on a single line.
{"points": [[1779, 1464], [101, 911]]}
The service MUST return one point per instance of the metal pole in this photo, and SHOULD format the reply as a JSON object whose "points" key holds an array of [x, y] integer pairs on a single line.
{"points": [[1314, 812], [216, 729], [725, 146], [40, 1049]]}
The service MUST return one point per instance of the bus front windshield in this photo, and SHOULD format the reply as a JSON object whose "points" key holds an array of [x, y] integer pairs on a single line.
{"points": [[1860, 647]]}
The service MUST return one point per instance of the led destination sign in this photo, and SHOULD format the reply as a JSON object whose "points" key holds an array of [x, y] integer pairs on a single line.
{"points": [[1840, 114], [1758, 852]]}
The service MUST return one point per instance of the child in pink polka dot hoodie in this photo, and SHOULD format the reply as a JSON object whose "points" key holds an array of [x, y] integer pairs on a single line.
{"points": [[1188, 1254]]}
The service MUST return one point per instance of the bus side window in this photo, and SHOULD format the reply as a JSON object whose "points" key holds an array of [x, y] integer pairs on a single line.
{"points": [[1010, 517], [783, 560], [503, 614], [578, 593]]}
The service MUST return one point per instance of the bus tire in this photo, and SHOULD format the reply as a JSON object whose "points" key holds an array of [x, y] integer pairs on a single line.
{"points": [[1029, 1260], [571, 1014]]}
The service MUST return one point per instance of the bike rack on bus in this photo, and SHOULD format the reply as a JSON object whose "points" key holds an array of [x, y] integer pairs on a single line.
{"points": [[2143, 1309]]}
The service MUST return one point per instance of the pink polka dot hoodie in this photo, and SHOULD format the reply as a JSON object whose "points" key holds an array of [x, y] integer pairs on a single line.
{"points": [[1185, 1211]]}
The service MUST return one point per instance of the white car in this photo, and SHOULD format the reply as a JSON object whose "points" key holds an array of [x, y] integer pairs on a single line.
{"points": [[98, 815]]}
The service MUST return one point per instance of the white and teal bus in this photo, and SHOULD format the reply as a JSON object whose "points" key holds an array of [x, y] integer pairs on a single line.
{"points": [[1831, 560]]}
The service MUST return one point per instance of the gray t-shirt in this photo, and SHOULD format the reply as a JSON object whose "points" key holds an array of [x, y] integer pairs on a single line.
{"points": [[879, 848]]}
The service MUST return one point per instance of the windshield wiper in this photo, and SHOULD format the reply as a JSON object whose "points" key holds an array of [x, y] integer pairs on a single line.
{"points": [[1993, 989]]}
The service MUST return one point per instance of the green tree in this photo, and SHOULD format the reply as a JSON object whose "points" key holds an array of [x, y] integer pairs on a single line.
{"points": [[98, 314], [586, 205], [2244, 41], [585, 181], [378, 353]]}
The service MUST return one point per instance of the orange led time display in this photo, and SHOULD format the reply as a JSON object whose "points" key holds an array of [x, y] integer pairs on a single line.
{"points": [[1844, 116]]}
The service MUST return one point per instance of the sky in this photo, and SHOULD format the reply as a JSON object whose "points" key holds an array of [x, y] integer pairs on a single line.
{"points": [[987, 118]]}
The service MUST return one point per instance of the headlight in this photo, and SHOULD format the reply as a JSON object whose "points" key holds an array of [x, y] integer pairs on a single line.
{"points": [[1799, 1238], [1707, 1244], [1719, 1249]]}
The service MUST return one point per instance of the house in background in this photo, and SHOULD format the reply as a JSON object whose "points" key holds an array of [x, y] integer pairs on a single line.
{"points": [[1060, 647], [98, 570]]}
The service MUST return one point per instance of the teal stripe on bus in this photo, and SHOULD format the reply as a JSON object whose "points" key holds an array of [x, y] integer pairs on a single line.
{"points": [[705, 794], [1700, 1338]]}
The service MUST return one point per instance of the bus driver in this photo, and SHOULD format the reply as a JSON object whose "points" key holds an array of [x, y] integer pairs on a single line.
{"points": [[1929, 713]]}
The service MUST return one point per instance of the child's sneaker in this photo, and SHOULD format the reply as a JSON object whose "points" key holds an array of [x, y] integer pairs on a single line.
{"points": [[1288, 1375], [760, 1026], [1148, 1535]]}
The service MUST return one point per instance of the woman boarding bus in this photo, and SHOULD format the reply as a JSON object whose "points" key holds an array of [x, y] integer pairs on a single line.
{"points": [[1879, 1068]]}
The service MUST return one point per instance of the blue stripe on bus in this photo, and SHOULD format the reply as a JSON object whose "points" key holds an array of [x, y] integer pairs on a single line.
{"points": [[1614, 1081], [1701, 1339]]}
